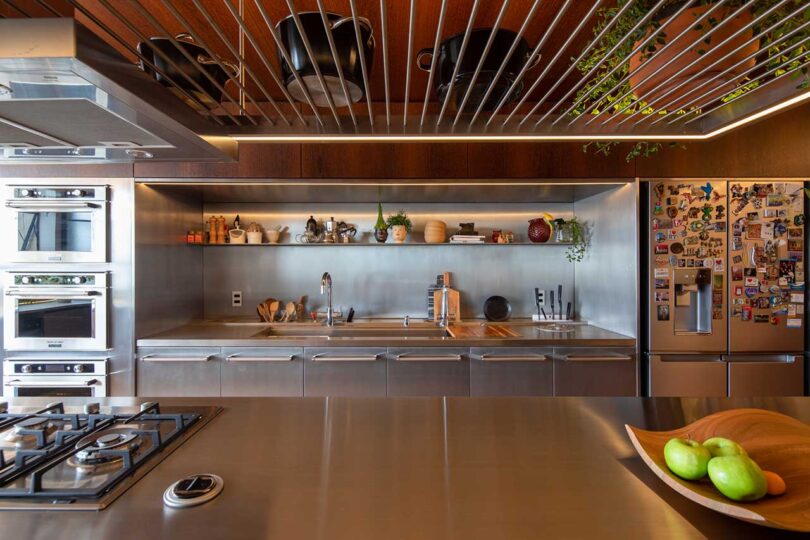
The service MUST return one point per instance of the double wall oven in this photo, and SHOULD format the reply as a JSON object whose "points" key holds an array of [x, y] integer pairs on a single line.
{"points": [[57, 305]]}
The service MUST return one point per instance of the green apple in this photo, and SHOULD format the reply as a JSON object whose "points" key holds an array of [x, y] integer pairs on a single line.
{"points": [[686, 458], [719, 446], [738, 477]]}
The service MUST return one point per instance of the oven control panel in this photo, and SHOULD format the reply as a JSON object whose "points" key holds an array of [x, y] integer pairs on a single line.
{"points": [[55, 279], [89, 193], [55, 368]]}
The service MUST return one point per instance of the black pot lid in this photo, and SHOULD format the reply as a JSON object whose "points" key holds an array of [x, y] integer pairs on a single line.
{"points": [[497, 309]]}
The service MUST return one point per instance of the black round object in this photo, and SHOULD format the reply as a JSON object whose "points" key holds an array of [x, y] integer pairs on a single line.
{"points": [[186, 69], [449, 52], [346, 46], [497, 309]]}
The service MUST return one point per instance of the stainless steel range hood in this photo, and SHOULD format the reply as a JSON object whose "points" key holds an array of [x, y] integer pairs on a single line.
{"points": [[67, 96]]}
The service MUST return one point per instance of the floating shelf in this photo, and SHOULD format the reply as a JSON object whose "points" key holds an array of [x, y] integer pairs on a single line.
{"points": [[410, 244]]}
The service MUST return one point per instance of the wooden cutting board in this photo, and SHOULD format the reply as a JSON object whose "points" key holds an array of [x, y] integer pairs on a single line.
{"points": [[453, 302], [776, 442], [488, 331]]}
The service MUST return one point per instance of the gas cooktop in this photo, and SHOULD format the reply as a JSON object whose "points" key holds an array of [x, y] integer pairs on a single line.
{"points": [[57, 458]]}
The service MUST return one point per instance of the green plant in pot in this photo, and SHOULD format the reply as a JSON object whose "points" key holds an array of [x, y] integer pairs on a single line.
{"points": [[571, 231], [380, 228], [706, 62], [400, 225]]}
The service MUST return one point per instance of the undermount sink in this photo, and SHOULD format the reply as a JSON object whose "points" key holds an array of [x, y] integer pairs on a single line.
{"points": [[368, 331]]}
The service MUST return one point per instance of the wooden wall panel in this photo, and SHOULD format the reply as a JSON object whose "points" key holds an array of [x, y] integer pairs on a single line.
{"points": [[778, 146], [256, 160], [121, 170], [545, 160], [389, 160]]}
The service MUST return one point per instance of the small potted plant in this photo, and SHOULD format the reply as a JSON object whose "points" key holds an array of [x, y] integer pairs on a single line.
{"points": [[571, 231], [400, 226], [380, 228]]}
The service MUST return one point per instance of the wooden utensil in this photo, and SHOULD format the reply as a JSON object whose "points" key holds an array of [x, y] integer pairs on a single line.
{"points": [[776, 442], [289, 312], [453, 302], [272, 305], [490, 330], [300, 308], [262, 313]]}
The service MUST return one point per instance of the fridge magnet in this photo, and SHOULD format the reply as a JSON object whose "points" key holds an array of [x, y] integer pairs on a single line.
{"points": [[750, 272], [691, 240], [752, 216], [661, 273], [707, 190], [717, 284], [658, 209], [663, 312], [661, 249], [751, 282], [676, 248], [676, 223], [766, 231], [681, 263], [662, 284], [690, 263], [736, 311], [772, 273], [659, 190], [736, 191], [736, 273], [739, 301], [780, 310], [720, 226], [797, 298], [796, 255], [782, 213], [736, 243], [794, 323], [800, 309], [683, 205], [765, 302], [673, 260], [771, 213], [672, 212], [662, 296], [754, 231], [720, 211], [747, 311], [716, 196], [797, 286], [798, 220], [717, 298], [704, 235], [783, 283], [719, 265], [791, 310], [779, 229], [774, 320], [738, 291], [674, 189], [737, 259], [660, 237], [751, 292], [795, 233], [762, 318], [775, 199], [696, 226], [795, 244], [787, 269]]}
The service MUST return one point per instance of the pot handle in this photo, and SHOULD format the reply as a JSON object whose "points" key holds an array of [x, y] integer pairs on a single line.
{"points": [[534, 61], [362, 21], [420, 55], [204, 60], [185, 37]]}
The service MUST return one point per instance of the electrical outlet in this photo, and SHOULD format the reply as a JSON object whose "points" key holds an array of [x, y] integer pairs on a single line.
{"points": [[236, 298], [541, 298]]}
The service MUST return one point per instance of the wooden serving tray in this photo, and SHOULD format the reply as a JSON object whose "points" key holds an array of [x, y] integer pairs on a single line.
{"points": [[776, 442]]}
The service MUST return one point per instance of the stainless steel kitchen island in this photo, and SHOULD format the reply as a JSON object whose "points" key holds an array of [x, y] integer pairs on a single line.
{"points": [[413, 468]]}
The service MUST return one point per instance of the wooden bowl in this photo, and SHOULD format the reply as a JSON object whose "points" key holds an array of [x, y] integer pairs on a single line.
{"points": [[435, 232], [776, 442]]}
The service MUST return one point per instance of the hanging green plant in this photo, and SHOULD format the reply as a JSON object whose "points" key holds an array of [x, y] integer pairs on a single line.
{"points": [[615, 86], [571, 231]]}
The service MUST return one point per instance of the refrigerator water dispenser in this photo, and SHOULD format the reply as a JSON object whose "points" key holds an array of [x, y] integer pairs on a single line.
{"points": [[693, 301]]}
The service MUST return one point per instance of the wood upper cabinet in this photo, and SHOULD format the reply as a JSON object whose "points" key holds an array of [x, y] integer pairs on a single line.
{"points": [[384, 160], [546, 160], [256, 160]]}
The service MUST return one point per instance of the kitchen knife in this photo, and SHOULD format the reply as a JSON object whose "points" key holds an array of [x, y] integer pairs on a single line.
{"points": [[543, 311], [568, 311], [552, 303], [537, 299], [559, 298]]}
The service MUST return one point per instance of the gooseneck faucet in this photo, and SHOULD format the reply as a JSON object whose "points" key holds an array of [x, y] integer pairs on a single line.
{"points": [[445, 313], [326, 286]]}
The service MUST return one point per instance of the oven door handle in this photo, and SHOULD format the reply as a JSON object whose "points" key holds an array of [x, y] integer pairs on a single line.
{"points": [[29, 205], [55, 294], [17, 383]]}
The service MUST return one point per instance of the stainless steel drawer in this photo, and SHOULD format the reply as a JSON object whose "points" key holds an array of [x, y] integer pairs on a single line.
{"points": [[682, 375], [178, 371], [765, 375], [428, 371], [262, 371], [344, 371], [595, 372], [511, 371]]}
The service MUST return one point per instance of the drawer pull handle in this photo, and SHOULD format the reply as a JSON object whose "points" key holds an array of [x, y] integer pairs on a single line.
{"points": [[596, 358], [514, 358], [237, 358], [406, 357], [323, 357], [155, 358]]}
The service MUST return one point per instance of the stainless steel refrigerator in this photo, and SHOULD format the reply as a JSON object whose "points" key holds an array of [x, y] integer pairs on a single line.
{"points": [[726, 288]]}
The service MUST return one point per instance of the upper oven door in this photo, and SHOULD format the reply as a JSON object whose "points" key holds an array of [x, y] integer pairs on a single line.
{"points": [[61, 319], [58, 231]]}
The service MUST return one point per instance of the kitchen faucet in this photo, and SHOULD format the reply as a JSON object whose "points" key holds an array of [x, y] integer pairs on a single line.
{"points": [[326, 285], [445, 313]]}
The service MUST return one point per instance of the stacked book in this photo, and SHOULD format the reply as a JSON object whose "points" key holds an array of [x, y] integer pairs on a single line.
{"points": [[466, 239]]}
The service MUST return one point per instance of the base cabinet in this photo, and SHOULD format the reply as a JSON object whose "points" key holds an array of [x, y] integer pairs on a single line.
{"points": [[263, 371], [511, 371], [344, 371], [595, 372], [429, 371], [178, 372]]}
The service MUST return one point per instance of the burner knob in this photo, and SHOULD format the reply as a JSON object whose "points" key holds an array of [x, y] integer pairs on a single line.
{"points": [[78, 368], [26, 193], [78, 280], [76, 193], [26, 280], [27, 368], [92, 408]]}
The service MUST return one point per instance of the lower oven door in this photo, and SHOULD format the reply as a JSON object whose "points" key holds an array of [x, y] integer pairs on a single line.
{"points": [[53, 386], [57, 319]]}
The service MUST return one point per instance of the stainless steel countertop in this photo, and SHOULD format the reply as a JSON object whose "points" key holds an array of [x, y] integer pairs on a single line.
{"points": [[244, 334], [466, 468]]}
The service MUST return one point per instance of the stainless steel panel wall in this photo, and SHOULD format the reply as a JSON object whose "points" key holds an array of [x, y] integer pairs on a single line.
{"points": [[607, 278], [121, 381], [168, 273], [385, 280]]}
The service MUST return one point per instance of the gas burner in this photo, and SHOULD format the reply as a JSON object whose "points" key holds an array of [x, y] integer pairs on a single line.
{"points": [[26, 440], [93, 446], [36, 422]]}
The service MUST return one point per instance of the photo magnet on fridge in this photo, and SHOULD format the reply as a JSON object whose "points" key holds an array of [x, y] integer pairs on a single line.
{"points": [[747, 312], [662, 284], [663, 312]]}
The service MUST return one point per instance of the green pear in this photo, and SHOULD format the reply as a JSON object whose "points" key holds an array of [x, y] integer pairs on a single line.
{"points": [[686, 458]]}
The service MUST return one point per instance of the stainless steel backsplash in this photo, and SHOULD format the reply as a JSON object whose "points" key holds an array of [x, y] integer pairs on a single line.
{"points": [[384, 281]]}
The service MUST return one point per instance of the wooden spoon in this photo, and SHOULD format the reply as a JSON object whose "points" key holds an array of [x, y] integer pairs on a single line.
{"points": [[289, 312], [272, 305]]}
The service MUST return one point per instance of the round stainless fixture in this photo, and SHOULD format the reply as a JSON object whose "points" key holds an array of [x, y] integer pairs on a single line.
{"points": [[193, 490], [139, 154]]}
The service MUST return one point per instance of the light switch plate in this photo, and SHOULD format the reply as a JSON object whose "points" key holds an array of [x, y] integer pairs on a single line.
{"points": [[541, 298], [236, 298]]}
